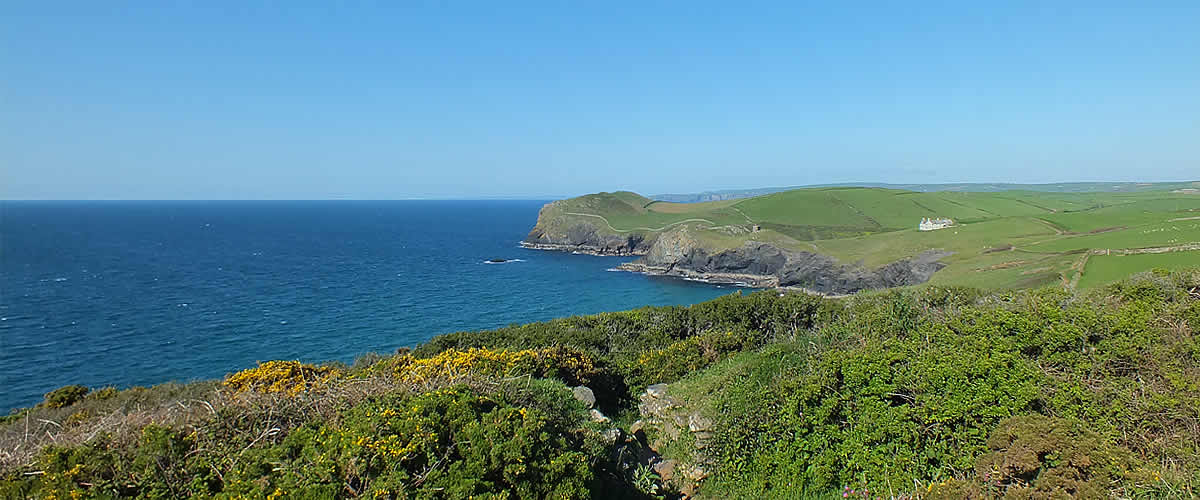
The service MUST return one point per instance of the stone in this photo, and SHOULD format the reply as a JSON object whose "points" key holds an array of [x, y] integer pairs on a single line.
{"points": [[597, 416], [666, 469], [697, 423], [695, 473], [656, 407], [657, 391], [584, 395], [637, 427], [680, 420], [611, 436], [671, 431]]}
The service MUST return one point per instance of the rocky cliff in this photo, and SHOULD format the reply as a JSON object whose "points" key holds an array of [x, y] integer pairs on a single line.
{"points": [[558, 230], [678, 253], [681, 252]]}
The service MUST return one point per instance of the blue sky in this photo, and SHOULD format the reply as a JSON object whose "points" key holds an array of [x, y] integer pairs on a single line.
{"points": [[383, 100]]}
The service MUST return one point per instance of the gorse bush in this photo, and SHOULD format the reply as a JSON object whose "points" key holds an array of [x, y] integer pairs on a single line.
{"points": [[567, 364], [285, 377], [65, 396], [925, 393]]}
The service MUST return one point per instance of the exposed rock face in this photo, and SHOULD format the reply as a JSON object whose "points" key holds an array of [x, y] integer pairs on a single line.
{"points": [[676, 253], [556, 230]]}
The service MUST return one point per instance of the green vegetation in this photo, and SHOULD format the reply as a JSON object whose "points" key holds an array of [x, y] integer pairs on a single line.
{"points": [[934, 392], [1041, 237], [1103, 269]]}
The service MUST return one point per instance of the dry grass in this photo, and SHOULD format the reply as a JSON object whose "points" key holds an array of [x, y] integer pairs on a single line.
{"points": [[262, 418]]}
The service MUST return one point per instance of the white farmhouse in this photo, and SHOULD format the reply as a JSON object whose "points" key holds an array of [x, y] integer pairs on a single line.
{"points": [[928, 224]]}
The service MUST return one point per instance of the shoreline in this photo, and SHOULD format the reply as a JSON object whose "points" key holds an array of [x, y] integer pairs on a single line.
{"points": [[577, 249], [756, 281], [745, 280]]}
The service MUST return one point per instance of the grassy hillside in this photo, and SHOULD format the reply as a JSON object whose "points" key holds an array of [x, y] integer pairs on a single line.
{"points": [[1002, 239], [938, 393]]}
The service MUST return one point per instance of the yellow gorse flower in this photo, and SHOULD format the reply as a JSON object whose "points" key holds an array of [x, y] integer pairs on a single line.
{"points": [[454, 364], [286, 377]]}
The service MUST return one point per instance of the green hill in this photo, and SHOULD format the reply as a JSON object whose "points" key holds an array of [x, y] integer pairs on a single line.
{"points": [[1001, 239]]}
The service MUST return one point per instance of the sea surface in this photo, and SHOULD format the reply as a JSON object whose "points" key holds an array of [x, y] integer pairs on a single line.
{"points": [[141, 293]]}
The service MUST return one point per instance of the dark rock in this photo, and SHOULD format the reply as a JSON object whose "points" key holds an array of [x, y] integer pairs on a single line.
{"points": [[676, 253]]}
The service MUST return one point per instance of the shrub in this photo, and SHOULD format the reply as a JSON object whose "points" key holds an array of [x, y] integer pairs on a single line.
{"points": [[287, 377], [687, 356], [570, 365], [65, 396], [1045, 457]]}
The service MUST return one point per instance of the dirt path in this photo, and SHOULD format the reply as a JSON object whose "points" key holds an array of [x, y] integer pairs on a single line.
{"points": [[1053, 227], [1078, 267], [610, 226], [743, 214]]}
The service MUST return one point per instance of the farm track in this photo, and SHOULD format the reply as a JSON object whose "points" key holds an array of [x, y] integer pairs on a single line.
{"points": [[610, 226]]}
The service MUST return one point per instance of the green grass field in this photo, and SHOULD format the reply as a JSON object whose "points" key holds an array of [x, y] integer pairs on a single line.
{"points": [[1008, 239], [1105, 269]]}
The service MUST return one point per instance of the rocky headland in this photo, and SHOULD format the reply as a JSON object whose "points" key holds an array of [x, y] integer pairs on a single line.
{"points": [[682, 252], [558, 230], [758, 264]]}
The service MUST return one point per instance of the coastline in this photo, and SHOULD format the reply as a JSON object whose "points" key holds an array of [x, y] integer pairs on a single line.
{"points": [[739, 279], [578, 249], [758, 281]]}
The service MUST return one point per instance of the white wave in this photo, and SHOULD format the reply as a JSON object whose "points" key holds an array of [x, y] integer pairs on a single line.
{"points": [[60, 280], [508, 261]]}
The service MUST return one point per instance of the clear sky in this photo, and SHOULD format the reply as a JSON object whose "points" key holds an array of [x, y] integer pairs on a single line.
{"points": [[382, 100]]}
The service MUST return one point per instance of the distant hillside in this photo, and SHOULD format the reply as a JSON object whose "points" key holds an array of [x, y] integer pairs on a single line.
{"points": [[844, 239], [1067, 187]]}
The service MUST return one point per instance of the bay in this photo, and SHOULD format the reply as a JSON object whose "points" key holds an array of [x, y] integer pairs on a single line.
{"points": [[145, 292]]}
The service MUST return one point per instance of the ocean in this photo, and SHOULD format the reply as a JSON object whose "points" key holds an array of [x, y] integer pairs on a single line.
{"points": [[146, 292]]}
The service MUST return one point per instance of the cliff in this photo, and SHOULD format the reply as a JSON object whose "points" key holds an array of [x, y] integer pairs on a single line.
{"points": [[691, 251], [559, 229], [679, 253]]}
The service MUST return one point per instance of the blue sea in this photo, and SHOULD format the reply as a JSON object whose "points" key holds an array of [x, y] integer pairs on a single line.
{"points": [[140, 293]]}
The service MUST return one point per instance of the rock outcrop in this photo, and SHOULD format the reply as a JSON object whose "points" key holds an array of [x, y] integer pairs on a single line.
{"points": [[670, 421], [559, 230], [678, 253]]}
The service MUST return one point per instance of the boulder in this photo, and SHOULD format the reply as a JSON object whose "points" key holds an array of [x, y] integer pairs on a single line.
{"points": [[611, 436], [697, 423], [666, 469], [584, 395], [657, 391]]}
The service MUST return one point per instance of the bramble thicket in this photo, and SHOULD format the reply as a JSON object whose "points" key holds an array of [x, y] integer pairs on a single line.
{"points": [[912, 393]]}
